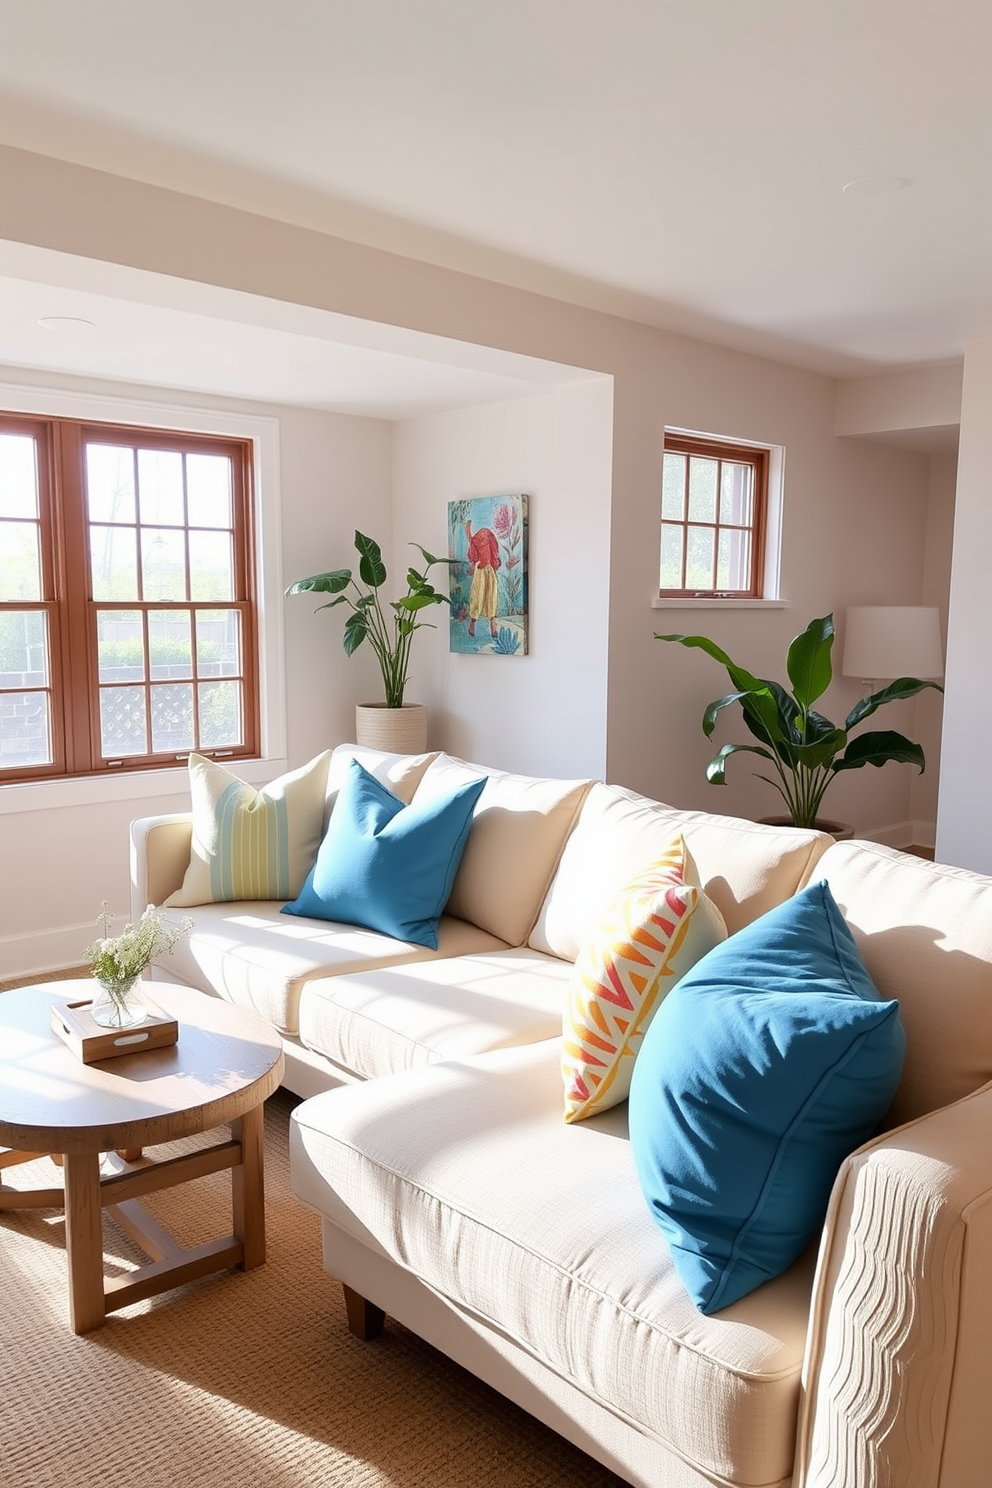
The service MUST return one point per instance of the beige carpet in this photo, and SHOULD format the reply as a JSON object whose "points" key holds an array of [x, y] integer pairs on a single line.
{"points": [[247, 1379]]}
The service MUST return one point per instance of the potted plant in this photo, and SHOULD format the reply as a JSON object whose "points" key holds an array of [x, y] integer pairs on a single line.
{"points": [[382, 725], [806, 750]]}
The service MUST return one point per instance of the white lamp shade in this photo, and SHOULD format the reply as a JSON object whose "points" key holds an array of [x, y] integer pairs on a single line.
{"points": [[889, 641]]}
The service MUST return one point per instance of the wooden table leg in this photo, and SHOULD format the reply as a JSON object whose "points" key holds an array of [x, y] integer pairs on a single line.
{"points": [[84, 1241], [248, 1188]]}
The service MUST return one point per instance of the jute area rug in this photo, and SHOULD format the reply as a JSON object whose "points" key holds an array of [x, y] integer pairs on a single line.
{"points": [[244, 1378]]}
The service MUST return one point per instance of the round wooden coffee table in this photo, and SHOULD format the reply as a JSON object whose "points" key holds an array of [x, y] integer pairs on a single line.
{"points": [[225, 1063]]}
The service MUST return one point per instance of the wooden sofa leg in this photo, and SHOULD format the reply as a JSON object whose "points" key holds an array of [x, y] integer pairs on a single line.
{"points": [[365, 1320]]}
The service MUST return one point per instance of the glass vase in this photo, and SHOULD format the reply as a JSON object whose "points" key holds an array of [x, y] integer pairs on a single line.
{"points": [[116, 1003]]}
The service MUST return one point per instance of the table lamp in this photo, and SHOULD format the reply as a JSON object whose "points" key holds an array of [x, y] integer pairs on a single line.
{"points": [[889, 641]]}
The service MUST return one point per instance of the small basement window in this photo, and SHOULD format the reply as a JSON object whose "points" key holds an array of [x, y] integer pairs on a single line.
{"points": [[714, 510]]}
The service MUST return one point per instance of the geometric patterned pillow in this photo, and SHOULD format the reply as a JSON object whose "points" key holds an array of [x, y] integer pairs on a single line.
{"points": [[654, 932], [248, 843]]}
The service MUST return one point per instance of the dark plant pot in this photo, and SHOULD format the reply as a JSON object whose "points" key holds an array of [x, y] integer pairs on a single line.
{"points": [[838, 830]]}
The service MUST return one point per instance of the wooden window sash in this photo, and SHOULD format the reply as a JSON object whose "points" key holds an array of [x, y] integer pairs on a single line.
{"points": [[66, 577], [723, 451]]}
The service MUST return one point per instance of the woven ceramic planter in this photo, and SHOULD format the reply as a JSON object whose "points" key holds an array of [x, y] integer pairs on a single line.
{"points": [[395, 730]]}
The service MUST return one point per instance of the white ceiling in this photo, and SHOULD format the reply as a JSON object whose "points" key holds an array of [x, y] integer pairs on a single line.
{"points": [[680, 161]]}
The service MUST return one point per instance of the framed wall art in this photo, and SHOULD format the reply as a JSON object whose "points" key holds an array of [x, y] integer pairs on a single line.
{"points": [[487, 541]]}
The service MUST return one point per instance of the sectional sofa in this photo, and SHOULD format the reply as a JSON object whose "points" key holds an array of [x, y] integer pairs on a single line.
{"points": [[455, 1198]]}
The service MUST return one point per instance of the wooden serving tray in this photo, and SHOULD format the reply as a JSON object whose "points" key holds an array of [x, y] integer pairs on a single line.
{"points": [[73, 1023]]}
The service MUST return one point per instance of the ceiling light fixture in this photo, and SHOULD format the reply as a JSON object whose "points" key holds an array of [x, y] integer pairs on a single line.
{"points": [[66, 323]]}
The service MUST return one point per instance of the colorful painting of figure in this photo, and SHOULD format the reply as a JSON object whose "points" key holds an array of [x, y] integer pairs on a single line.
{"points": [[487, 539]]}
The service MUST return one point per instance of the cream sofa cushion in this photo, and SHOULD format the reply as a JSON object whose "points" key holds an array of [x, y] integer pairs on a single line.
{"points": [[744, 867], [925, 933], [518, 828], [260, 959], [399, 1018], [466, 1176], [400, 773]]}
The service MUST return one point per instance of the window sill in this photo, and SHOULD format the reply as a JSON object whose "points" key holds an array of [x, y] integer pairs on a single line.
{"points": [[719, 604], [138, 785]]}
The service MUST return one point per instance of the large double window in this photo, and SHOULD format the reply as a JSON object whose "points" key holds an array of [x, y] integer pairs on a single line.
{"points": [[128, 632]]}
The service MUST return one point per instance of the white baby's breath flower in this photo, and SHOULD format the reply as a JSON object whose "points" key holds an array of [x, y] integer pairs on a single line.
{"points": [[117, 959]]}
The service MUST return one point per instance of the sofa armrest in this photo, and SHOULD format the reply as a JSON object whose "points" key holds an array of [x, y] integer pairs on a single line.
{"points": [[899, 1353], [160, 847]]}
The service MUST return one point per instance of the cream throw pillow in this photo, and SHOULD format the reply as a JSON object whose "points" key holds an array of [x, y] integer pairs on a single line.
{"points": [[654, 932], [248, 843], [518, 829]]}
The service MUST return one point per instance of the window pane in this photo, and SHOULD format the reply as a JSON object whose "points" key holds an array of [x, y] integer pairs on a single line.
{"points": [[702, 489], [160, 488], [211, 565], [23, 648], [736, 486], [110, 482], [171, 644], [734, 561], [120, 646], [25, 730], [673, 487], [18, 476], [208, 486], [172, 718], [20, 561], [220, 714], [671, 556], [163, 563], [699, 558], [218, 643], [113, 561], [123, 727]]}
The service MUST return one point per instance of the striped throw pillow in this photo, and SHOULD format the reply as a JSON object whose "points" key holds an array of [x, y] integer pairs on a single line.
{"points": [[654, 932], [248, 843]]}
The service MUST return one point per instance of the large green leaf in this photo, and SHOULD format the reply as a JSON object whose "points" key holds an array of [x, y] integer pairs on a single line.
{"points": [[710, 647], [878, 748], [371, 568], [324, 583], [808, 662], [355, 630], [820, 753], [714, 709], [716, 770], [430, 560], [419, 601], [902, 687]]}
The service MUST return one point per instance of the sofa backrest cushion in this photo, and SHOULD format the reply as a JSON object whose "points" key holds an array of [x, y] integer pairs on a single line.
{"points": [[518, 829], [744, 867], [924, 931], [401, 773]]}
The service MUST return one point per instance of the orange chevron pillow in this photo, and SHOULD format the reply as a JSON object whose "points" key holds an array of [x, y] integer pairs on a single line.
{"points": [[652, 934]]}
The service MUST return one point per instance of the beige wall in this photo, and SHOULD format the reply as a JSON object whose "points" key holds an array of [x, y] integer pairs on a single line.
{"points": [[597, 687], [544, 712], [964, 822], [64, 846]]}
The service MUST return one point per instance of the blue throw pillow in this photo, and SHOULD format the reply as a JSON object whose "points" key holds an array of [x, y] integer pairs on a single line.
{"points": [[387, 865], [769, 1062]]}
